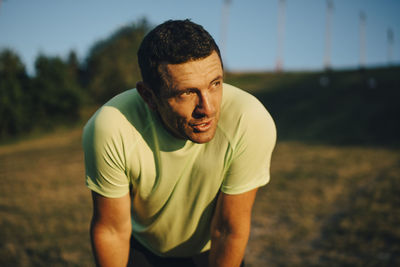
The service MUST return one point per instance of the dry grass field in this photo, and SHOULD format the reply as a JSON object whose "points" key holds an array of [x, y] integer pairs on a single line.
{"points": [[44, 205], [324, 206], [328, 206]]}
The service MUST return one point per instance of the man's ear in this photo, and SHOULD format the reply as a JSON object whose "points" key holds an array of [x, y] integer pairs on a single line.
{"points": [[147, 94]]}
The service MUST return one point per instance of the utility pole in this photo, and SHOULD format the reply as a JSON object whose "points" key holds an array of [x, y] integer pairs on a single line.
{"points": [[281, 35], [327, 58], [224, 28], [390, 39], [363, 19]]}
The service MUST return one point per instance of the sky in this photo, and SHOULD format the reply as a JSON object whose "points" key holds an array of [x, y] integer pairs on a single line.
{"points": [[248, 43]]}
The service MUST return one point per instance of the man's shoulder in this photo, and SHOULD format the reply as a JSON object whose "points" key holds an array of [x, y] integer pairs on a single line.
{"points": [[239, 104], [241, 112], [239, 99], [122, 112]]}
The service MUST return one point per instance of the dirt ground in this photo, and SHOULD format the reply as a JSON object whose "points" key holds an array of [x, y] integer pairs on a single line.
{"points": [[324, 206]]}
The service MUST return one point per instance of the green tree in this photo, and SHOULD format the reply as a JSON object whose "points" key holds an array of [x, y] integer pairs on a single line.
{"points": [[112, 63], [56, 91], [14, 95]]}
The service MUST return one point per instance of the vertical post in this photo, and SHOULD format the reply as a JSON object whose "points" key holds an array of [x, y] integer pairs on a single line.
{"points": [[281, 35], [390, 40], [224, 28], [363, 19], [327, 58]]}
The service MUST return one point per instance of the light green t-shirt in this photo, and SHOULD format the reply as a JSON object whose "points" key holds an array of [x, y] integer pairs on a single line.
{"points": [[173, 182]]}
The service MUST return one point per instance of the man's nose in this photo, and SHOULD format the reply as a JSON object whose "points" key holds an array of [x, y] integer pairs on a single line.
{"points": [[205, 107]]}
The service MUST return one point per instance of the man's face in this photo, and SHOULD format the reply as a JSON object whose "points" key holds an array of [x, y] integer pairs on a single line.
{"points": [[189, 106]]}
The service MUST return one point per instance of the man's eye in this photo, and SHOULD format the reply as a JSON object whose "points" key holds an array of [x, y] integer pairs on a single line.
{"points": [[187, 93]]}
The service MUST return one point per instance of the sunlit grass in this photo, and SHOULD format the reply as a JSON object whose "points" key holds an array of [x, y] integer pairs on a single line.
{"points": [[324, 206], [328, 206], [44, 205]]}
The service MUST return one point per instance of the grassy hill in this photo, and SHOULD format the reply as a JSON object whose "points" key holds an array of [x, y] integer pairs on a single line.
{"points": [[343, 107]]}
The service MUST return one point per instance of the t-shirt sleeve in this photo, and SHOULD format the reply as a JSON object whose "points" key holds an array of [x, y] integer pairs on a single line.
{"points": [[254, 142], [105, 155]]}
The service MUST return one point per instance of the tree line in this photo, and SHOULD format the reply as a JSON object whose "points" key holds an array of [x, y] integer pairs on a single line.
{"points": [[60, 87]]}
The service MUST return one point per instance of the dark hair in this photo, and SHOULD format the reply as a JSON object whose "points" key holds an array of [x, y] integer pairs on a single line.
{"points": [[172, 42]]}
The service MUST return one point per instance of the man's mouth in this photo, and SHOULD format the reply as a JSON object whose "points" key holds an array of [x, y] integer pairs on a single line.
{"points": [[201, 127]]}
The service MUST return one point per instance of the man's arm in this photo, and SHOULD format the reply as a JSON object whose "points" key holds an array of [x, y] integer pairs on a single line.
{"points": [[230, 229], [111, 230]]}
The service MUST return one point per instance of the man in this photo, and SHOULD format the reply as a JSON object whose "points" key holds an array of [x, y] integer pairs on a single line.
{"points": [[174, 165]]}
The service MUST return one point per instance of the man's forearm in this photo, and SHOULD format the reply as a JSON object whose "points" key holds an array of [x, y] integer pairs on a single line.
{"points": [[227, 250], [110, 248]]}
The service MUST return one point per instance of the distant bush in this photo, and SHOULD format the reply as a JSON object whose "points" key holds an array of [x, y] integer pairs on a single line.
{"points": [[52, 97], [15, 103], [56, 91], [111, 66]]}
